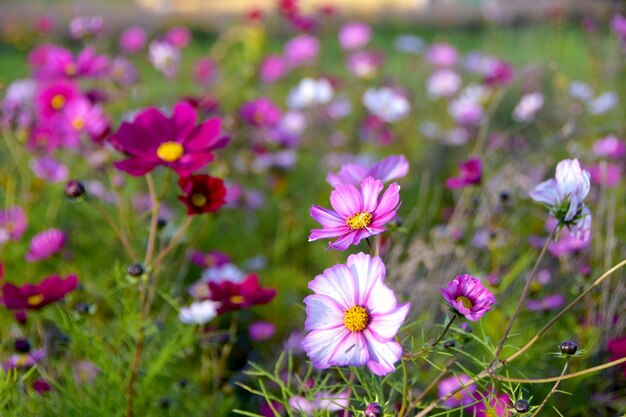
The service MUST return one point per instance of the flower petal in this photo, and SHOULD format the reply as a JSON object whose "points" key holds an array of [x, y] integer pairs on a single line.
{"points": [[346, 200], [384, 327], [370, 189], [322, 312], [351, 350], [382, 356], [319, 345]]}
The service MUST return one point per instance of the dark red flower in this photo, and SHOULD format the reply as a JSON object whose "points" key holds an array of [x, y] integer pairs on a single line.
{"points": [[617, 348], [202, 193], [36, 296], [240, 295]]}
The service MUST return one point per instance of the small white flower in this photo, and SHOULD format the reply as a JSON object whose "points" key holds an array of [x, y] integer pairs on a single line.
{"points": [[528, 106], [603, 103], [443, 83], [310, 93], [199, 312], [386, 103], [164, 57]]}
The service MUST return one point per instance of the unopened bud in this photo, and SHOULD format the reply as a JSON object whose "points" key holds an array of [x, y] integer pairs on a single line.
{"points": [[568, 347], [373, 410], [74, 189]]}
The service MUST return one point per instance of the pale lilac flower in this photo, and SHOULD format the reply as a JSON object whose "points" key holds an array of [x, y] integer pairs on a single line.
{"points": [[261, 331], [580, 91], [364, 64], [409, 44], [442, 55], [164, 57], [353, 317], [618, 24], [356, 215], [443, 83], [603, 103], [564, 193], [322, 401], [45, 244], [123, 71], [527, 107], [49, 169], [310, 93], [463, 397], [12, 224], [86, 26], [468, 297], [387, 169], [199, 312], [301, 50], [610, 147], [339, 108], [85, 372], [354, 35], [465, 111], [17, 105], [387, 104], [25, 359]]}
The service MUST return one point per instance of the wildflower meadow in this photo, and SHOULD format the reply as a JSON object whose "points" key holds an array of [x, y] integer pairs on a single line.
{"points": [[302, 211]]}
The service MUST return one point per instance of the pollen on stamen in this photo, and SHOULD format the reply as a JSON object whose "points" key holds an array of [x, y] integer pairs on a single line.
{"points": [[360, 221]]}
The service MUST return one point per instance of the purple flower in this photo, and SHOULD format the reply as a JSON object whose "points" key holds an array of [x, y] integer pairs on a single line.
{"points": [[387, 169], [322, 401], [164, 57], [608, 175], [356, 215], [618, 25], [301, 50], [564, 195], [527, 107], [443, 83], [470, 174], [133, 39], [364, 64], [205, 71], [463, 397], [45, 244], [354, 35], [179, 37], [273, 68], [25, 359], [261, 331], [49, 169], [123, 71], [260, 113], [12, 224], [209, 259], [492, 404], [353, 317], [498, 73], [152, 139], [610, 147], [467, 297], [86, 26], [550, 302]]}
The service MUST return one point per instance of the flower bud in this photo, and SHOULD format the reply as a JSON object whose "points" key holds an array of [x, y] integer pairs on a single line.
{"points": [[373, 410], [449, 344], [74, 189], [568, 347], [135, 270], [22, 345], [521, 406]]}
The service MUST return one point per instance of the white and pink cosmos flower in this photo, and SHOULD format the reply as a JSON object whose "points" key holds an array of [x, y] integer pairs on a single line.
{"points": [[353, 317], [564, 194], [357, 214]]}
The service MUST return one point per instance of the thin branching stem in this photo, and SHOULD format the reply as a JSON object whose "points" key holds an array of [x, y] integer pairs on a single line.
{"points": [[552, 391], [434, 343]]}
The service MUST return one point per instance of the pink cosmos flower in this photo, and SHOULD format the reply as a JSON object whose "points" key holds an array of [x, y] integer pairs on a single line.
{"points": [[442, 55], [470, 174], [49, 169], [152, 139], [301, 50], [608, 175], [528, 106], [273, 68], [45, 244], [365, 64], [123, 71], [164, 57], [356, 215], [261, 331], [467, 297], [12, 224], [354, 35], [133, 39], [617, 348], [205, 71], [564, 195], [179, 37], [493, 405], [52, 99], [387, 169], [353, 317], [50, 62], [443, 83], [450, 384], [610, 147], [86, 26], [36, 296], [260, 113], [618, 24], [81, 116], [498, 73]]}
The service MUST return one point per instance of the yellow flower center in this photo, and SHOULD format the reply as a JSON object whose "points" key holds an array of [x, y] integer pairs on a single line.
{"points": [[170, 151], [359, 221], [35, 300], [237, 299], [22, 360], [57, 102], [78, 123], [198, 200], [467, 303], [356, 319], [458, 396], [70, 69]]}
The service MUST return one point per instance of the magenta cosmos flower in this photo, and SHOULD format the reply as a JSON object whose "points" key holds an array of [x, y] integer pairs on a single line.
{"points": [[470, 172], [356, 215], [261, 112], [45, 244], [133, 39], [153, 139], [353, 317], [463, 397], [12, 224], [36, 296], [468, 297]]}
